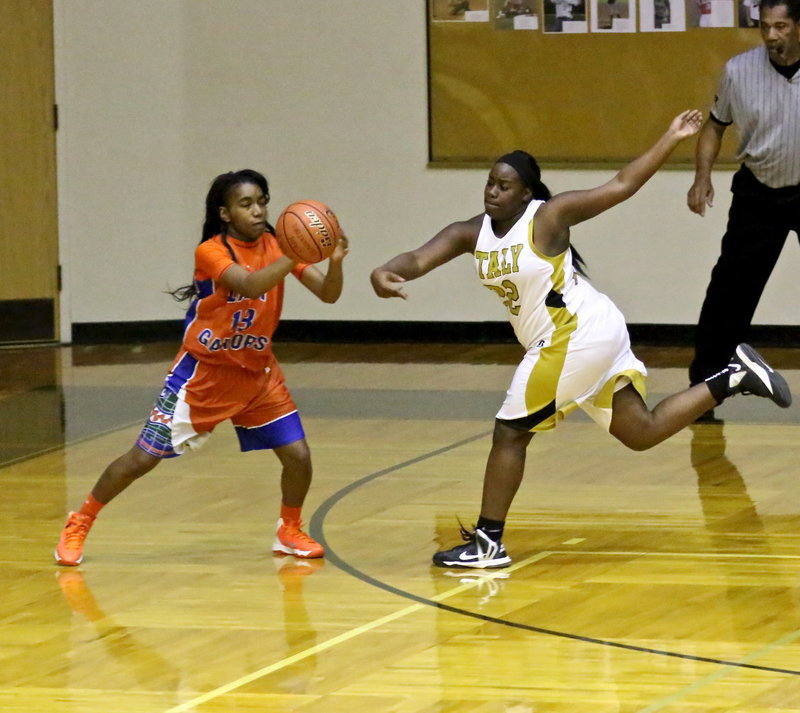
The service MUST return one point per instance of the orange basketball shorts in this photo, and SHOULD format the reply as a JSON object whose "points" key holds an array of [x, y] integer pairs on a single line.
{"points": [[196, 397]]}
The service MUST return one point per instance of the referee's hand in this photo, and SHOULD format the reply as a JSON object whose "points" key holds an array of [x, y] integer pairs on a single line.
{"points": [[700, 195]]}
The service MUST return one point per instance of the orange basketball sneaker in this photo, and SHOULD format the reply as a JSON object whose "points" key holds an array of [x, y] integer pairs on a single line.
{"points": [[69, 551], [291, 540]]}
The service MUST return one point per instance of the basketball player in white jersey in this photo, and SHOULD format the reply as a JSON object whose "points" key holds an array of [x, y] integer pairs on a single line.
{"points": [[578, 352]]}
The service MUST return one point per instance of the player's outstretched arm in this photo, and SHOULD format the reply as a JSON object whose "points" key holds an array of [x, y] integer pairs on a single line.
{"points": [[454, 240], [573, 207]]}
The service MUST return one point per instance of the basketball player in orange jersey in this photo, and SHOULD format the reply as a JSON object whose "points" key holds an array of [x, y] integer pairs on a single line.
{"points": [[225, 368]]}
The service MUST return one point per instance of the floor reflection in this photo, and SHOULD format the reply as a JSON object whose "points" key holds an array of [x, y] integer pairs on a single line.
{"points": [[736, 527], [727, 507], [299, 632], [152, 671]]}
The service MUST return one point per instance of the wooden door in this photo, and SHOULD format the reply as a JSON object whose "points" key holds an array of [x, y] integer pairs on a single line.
{"points": [[28, 212]]}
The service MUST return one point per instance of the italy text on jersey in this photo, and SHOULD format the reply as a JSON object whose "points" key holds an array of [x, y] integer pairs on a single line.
{"points": [[498, 262]]}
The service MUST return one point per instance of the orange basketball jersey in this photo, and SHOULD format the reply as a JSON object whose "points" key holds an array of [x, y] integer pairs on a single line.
{"points": [[223, 327]]}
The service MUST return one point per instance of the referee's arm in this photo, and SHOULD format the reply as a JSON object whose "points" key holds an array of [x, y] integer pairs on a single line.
{"points": [[701, 194]]}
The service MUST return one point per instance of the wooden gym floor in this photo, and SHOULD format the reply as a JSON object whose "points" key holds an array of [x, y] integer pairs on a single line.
{"points": [[659, 581]]}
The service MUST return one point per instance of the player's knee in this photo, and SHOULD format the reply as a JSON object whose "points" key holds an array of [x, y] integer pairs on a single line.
{"points": [[132, 465], [295, 455], [510, 435], [637, 437], [638, 443], [142, 462]]}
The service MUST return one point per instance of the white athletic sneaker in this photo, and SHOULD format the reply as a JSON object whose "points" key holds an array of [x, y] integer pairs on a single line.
{"points": [[749, 373], [479, 552]]}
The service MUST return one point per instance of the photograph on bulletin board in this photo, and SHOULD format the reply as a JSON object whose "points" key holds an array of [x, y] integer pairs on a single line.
{"points": [[710, 13], [748, 13], [515, 14], [613, 15], [567, 16], [459, 10], [662, 15]]}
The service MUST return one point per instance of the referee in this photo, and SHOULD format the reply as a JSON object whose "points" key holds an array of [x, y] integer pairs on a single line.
{"points": [[759, 91]]}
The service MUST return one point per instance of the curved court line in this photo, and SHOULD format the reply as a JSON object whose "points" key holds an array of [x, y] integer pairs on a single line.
{"points": [[316, 529]]}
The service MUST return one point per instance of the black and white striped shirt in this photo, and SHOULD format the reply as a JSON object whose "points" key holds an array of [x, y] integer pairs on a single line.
{"points": [[765, 106]]}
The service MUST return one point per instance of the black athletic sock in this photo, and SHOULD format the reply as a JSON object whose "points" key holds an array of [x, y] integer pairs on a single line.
{"points": [[719, 385], [493, 528]]}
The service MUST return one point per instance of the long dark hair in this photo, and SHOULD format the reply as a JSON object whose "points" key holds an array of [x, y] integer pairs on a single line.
{"points": [[530, 174], [216, 198]]}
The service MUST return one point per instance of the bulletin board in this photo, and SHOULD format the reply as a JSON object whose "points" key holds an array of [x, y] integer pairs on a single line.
{"points": [[567, 98]]}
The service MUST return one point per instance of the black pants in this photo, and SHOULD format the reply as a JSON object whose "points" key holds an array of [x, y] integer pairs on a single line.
{"points": [[759, 222]]}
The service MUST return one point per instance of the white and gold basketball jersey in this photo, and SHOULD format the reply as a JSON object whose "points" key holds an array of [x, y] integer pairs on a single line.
{"points": [[539, 292], [577, 346]]}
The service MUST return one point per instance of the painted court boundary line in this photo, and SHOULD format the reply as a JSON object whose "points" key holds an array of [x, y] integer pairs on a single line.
{"points": [[67, 444], [701, 683], [316, 530], [364, 628], [335, 641]]}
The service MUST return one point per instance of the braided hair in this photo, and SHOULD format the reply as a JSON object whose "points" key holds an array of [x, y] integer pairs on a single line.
{"points": [[217, 197]]}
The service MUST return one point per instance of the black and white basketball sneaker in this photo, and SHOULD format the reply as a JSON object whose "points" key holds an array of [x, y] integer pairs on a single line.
{"points": [[748, 373], [479, 552]]}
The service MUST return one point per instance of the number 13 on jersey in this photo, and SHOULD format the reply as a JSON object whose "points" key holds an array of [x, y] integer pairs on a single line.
{"points": [[243, 319]]}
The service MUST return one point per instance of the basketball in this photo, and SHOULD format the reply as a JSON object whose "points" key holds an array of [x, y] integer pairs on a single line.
{"points": [[307, 231]]}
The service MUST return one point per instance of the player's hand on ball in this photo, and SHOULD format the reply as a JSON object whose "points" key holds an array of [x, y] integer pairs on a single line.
{"points": [[341, 250], [388, 284]]}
